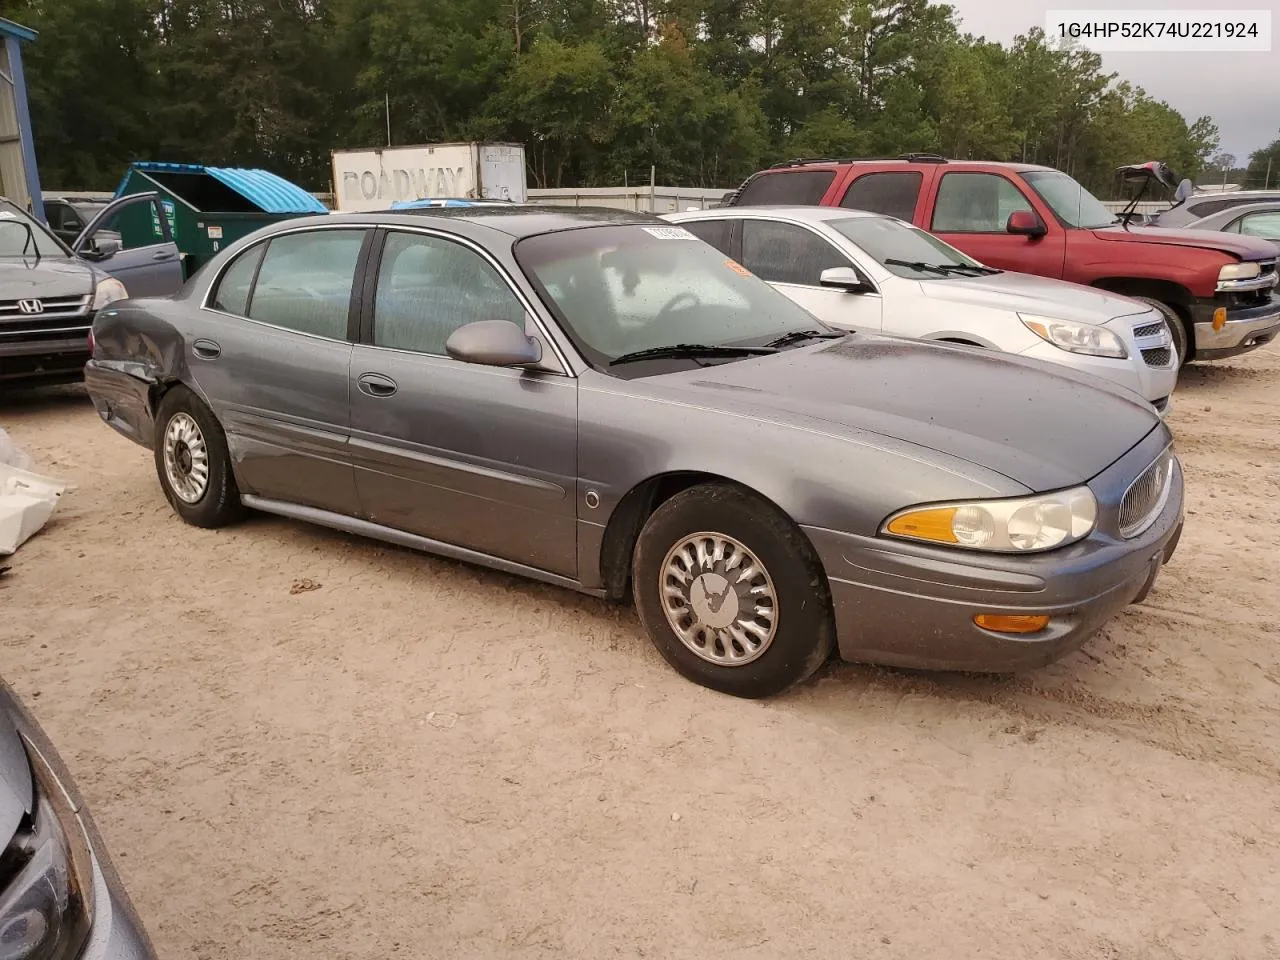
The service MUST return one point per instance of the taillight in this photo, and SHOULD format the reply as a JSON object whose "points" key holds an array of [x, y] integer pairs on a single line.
{"points": [[90, 341]]}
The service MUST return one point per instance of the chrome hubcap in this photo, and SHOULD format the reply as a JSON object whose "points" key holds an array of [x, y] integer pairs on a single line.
{"points": [[186, 458], [719, 599]]}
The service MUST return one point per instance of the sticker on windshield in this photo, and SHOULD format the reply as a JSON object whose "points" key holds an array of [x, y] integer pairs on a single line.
{"points": [[737, 268], [7, 215], [669, 233]]}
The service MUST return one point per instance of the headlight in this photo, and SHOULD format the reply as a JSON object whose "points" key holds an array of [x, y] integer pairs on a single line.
{"points": [[1086, 338], [46, 902], [108, 290], [1240, 271], [1025, 525]]}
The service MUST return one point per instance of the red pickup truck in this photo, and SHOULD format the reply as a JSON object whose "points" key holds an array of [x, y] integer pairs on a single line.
{"points": [[1215, 289]]}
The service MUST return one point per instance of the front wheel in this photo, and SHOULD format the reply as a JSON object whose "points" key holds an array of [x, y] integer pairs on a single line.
{"points": [[1177, 329], [731, 592], [193, 463]]}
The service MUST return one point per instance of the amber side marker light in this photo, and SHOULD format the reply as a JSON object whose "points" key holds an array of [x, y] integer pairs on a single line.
{"points": [[1011, 623], [1219, 318]]}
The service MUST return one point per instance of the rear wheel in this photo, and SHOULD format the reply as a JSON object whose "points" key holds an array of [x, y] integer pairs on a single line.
{"points": [[193, 463], [731, 592], [1177, 328]]}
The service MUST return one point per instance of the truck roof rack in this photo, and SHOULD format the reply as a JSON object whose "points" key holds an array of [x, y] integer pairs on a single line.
{"points": [[908, 157]]}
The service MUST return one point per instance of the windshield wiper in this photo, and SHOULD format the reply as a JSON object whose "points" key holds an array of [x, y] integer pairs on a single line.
{"points": [[976, 268], [693, 350], [944, 269], [795, 336]]}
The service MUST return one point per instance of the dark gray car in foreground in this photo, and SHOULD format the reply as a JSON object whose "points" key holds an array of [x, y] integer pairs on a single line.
{"points": [[60, 898], [602, 401]]}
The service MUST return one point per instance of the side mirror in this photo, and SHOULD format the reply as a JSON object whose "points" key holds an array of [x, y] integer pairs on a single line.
{"points": [[1026, 223], [101, 248], [494, 343], [844, 278]]}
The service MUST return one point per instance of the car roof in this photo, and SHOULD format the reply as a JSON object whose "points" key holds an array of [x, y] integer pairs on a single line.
{"points": [[792, 212], [820, 163], [515, 221]]}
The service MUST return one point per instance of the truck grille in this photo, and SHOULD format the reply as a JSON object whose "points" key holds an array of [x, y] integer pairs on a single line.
{"points": [[1154, 342], [1146, 496], [59, 317]]}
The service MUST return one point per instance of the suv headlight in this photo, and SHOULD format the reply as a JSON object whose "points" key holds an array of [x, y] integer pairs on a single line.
{"points": [[1240, 271], [1024, 525], [108, 290], [1085, 338], [46, 887]]}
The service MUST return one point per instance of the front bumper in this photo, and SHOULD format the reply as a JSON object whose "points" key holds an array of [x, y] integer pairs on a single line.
{"points": [[43, 361], [1246, 328], [910, 605]]}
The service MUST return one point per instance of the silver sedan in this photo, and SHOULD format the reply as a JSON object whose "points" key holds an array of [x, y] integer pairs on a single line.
{"points": [[875, 273]]}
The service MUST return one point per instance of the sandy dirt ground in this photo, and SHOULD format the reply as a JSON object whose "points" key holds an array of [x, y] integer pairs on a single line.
{"points": [[417, 758]]}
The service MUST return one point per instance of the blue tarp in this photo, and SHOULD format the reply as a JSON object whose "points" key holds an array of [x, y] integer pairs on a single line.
{"points": [[265, 190]]}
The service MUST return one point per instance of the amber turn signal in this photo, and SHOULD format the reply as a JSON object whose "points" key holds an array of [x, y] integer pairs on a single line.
{"points": [[1219, 318], [1011, 623], [935, 524]]}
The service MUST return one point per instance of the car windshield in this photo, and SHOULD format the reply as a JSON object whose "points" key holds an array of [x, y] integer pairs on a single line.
{"points": [[906, 250], [622, 289], [1074, 205], [17, 241]]}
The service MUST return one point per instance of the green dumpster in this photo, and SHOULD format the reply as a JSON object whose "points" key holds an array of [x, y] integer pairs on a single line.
{"points": [[207, 207]]}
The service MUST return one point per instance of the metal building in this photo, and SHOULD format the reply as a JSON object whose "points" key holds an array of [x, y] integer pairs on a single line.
{"points": [[19, 180]]}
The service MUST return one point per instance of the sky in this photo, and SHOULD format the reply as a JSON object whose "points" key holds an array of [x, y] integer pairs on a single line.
{"points": [[1239, 91]]}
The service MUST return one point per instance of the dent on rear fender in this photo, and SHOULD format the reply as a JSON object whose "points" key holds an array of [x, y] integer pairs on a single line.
{"points": [[135, 343]]}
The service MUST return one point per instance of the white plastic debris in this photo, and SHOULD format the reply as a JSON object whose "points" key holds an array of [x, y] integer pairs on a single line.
{"points": [[27, 501], [11, 456]]}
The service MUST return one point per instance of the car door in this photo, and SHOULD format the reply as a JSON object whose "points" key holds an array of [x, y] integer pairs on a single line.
{"points": [[131, 240], [971, 212], [63, 220], [272, 356], [792, 257], [475, 456]]}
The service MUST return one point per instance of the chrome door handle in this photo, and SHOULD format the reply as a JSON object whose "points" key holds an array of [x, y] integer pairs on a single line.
{"points": [[206, 349]]}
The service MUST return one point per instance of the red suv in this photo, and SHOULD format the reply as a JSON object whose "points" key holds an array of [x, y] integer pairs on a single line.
{"points": [[1215, 289]]}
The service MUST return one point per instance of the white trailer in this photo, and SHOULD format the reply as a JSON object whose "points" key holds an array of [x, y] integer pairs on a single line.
{"points": [[374, 179]]}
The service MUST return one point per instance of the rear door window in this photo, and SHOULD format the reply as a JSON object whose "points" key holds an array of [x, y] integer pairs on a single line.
{"points": [[232, 295], [788, 188], [786, 253], [305, 281], [892, 193]]}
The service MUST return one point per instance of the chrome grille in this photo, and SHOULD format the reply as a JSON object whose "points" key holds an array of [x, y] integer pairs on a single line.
{"points": [[59, 317], [1146, 496], [1154, 341]]}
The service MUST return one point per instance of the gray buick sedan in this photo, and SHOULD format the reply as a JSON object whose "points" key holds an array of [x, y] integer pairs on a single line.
{"points": [[602, 401]]}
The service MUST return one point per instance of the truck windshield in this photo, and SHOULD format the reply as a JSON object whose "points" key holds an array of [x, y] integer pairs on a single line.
{"points": [[1074, 205], [17, 241]]}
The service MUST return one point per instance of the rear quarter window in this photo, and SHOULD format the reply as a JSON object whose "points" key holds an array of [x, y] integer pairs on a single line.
{"points": [[787, 187]]}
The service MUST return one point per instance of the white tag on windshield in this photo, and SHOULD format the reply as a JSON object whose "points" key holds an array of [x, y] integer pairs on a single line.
{"points": [[669, 233]]}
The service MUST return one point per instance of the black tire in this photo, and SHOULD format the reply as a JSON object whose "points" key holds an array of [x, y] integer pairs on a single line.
{"points": [[1177, 328], [219, 502], [803, 624]]}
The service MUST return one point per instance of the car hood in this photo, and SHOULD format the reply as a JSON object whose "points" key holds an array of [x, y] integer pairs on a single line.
{"points": [[1023, 293], [22, 278], [15, 772], [1242, 247], [1041, 428]]}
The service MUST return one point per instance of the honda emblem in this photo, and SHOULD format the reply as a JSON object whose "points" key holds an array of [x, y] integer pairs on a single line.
{"points": [[31, 306]]}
